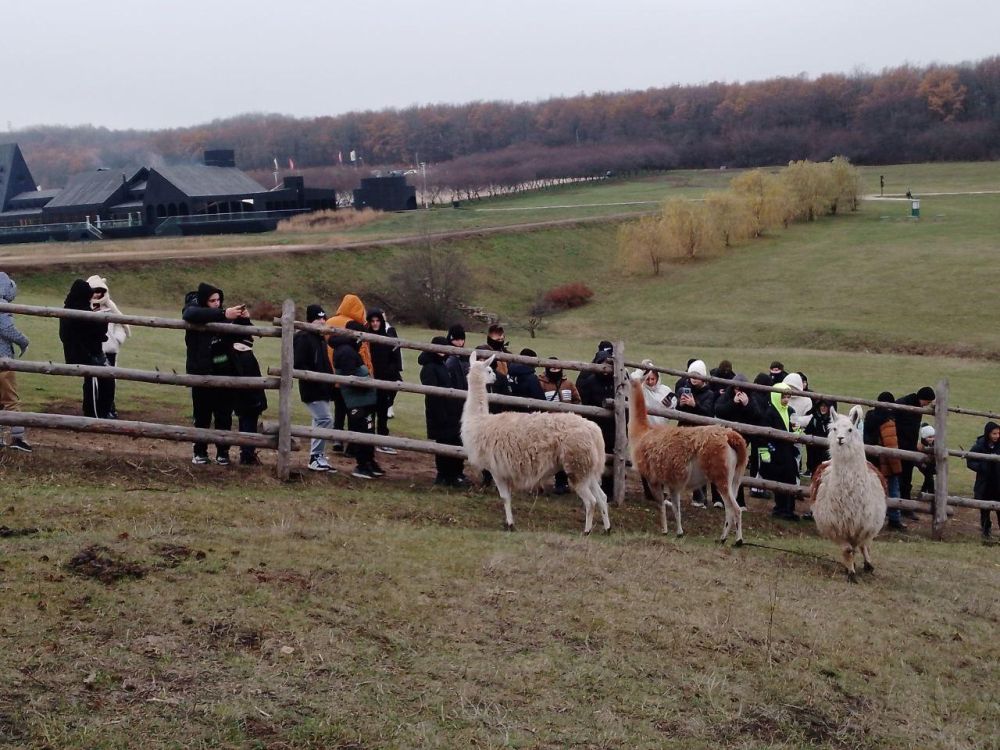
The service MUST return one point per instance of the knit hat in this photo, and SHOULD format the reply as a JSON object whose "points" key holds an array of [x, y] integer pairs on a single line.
{"points": [[776, 365], [313, 312], [528, 353], [927, 431], [926, 394], [698, 369], [455, 333], [605, 346]]}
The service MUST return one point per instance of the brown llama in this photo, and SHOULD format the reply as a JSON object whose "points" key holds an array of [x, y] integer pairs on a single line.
{"points": [[675, 459]]}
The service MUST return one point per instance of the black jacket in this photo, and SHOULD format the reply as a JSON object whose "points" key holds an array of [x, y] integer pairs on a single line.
{"points": [[524, 381], [987, 485], [784, 460], [247, 400], [82, 340], [727, 408], [458, 367], [443, 415], [310, 352], [199, 343], [387, 361], [704, 398], [908, 423], [595, 388]]}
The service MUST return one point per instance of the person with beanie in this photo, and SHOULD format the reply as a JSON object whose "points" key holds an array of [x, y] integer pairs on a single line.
{"points": [[929, 469], [880, 429], [777, 371], [209, 354], [908, 433], [117, 332], [309, 349], [523, 380], [10, 337], [736, 405], [83, 344], [560, 389], [987, 485], [248, 403], [443, 415], [695, 396], [457, 364], [387, 364], [350, 310], [359, 400], [725, 371], [777, 458], [595, 388]]}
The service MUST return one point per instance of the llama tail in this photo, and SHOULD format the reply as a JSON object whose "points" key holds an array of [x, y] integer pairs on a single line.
{"points": [[638, 422], [738, 444]]}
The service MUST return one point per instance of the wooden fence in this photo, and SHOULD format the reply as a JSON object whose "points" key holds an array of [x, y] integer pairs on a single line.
{"points": [[278, 435]]}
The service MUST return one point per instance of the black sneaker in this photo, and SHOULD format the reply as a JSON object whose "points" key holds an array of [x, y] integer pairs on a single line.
{"points": [[19, 444], [337, 448], [898, 526], [362, 472], [251, 460], [375, 469], [201, 460], [222, 459]]}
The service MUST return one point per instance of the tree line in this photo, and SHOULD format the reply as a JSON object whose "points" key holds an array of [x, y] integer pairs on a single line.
{"points": [[903, 114], [756, 201]]}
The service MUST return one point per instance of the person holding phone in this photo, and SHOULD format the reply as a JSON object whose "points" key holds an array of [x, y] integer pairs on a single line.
{"points": [[209, 354]]}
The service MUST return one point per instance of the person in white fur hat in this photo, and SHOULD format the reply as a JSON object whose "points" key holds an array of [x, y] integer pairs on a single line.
{"points": [[117, 332]]}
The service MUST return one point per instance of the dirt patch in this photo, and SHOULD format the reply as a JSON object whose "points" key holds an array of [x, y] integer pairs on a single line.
{"points": [[174, 554], [8, 532], [232, 634], [101, 563], [287, 577]]}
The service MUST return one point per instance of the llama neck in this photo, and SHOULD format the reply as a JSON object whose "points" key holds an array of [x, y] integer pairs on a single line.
{"points": [[848, 457], [638, 423], [475, 399]]}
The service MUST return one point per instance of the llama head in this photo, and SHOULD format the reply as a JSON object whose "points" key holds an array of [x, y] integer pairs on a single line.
{"points": [[845, 432], [482, 369]]}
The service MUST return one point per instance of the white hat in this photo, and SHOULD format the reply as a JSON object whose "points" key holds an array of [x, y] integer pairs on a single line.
{"points": [[926, 432], [698, 368]]}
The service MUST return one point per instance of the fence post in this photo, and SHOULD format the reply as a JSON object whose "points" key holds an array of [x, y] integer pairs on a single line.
{"points": [[285, 390], [621, 431], [940, 459]]}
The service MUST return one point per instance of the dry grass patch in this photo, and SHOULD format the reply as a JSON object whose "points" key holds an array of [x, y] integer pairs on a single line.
{"points": [[328, 221]]}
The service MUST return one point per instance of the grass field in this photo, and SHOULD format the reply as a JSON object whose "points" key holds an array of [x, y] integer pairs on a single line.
{"points": [[325, 614]]}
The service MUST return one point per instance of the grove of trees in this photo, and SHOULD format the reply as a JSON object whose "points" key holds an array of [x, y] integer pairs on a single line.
{"points": [[903, 114]]}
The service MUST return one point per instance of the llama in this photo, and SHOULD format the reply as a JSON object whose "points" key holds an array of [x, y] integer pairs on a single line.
{"points": [[848, 493], [522, 450], [674, 459]]}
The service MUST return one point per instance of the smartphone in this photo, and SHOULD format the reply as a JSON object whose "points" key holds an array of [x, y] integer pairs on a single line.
{"points": [[685, 391]]}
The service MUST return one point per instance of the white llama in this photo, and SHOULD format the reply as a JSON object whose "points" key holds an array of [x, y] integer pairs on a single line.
{"points": [[848, 493], [522, 450]]}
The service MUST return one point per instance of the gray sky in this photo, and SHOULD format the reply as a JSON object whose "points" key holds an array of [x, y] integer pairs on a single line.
{"points": [[168, 64]]}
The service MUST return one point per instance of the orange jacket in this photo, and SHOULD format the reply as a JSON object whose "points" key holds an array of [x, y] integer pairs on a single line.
{"points": [[351, 308], [890, 466]]}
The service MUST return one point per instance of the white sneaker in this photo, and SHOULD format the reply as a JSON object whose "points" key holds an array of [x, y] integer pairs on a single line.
{"points": [[387, 449], [390, 414], [319, 463], [697, 504], [717, 504]]}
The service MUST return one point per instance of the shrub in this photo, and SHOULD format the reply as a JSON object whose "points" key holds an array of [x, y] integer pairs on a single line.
{"points": [[318, 221], [568, 296], [264, 311], [427, 285]]}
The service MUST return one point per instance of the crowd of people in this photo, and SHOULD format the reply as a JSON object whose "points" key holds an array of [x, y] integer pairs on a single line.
{"points": [[362, 409]]}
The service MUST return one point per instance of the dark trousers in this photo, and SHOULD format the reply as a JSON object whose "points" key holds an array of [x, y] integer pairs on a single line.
{"points": [[906, 478], [212, 404], [361, 419], [248, 421], [448, 467], [787, 473], [382, 404], [339, 410], [98, 396], [984, 520], [113, 361]]}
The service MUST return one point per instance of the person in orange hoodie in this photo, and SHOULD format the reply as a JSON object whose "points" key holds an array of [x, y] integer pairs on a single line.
{"points": [[351, 308]]}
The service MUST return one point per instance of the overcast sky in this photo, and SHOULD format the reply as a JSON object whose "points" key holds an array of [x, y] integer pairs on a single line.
{"points": [[169, 64]]}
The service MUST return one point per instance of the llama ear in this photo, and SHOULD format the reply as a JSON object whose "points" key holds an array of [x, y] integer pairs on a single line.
{"points": [[833, 414], [489, 362], [472, 357], [856, 414]]}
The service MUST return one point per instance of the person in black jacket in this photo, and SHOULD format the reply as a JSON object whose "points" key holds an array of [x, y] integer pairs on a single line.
{"points": [[387, 362], [777, 458], [209, 354], [443, 415], [595, 388], [457, 364], [310, 354], [987, 485], [908, 434], [695, 395], [523, 380], [736, 405], [83, 344], [818, 426], [248, 403]]}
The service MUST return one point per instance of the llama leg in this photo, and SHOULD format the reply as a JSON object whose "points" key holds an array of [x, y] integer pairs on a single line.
{"points": [[866, 552], [504, 490], [847, 555], [659, 491], [733, 509], [583, 492], [602, 503], [726, 524], [677, 512]]}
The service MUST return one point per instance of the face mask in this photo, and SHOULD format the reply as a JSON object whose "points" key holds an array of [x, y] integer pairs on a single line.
{"points": [[496, 344], [554, 376]]}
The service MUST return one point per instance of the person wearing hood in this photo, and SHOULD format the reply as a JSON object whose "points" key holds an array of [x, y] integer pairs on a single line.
{"points": [[523, 380], [310, 353], [655, 393], [457, 364], [736, 405], [880, 429], [387, 364], [117, 332], [777, 372], [10, 337], [443, 415], [359, 400], [595, 388], [83, 344], [928, 436], [248, 403], [350, 310], [987, 485], [725, 371], [777, 458], [761, 401], [818, 426], [802, 405], [209, 354], [908, 432], [695, 395]]}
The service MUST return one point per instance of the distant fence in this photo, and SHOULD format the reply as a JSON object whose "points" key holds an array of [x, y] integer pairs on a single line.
{"points": [[278, 435]]}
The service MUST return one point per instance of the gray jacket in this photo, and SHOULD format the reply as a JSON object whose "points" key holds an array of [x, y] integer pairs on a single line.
{"points": [[9, 335]]}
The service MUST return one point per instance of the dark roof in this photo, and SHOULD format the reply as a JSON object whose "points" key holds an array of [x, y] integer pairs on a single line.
{"points": [[89, 189], [15, 177], [199, 181], [33, 198], [20, 212]]}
